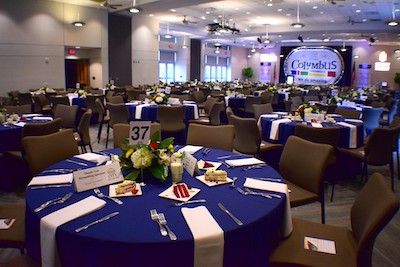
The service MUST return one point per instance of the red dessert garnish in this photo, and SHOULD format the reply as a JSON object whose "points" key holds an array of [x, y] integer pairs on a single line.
{"points": [[181, 190], [134, 191], [313, 120], [208, 164]]}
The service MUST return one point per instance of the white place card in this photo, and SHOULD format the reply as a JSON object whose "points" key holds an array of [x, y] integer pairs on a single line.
{"points": [[190, 164], [320, 245], [98, 176], [139, 132], [314, 116]]}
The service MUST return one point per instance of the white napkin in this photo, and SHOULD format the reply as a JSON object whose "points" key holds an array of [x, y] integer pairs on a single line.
{"points": [[274, 134], [208, 237], [42, 118], [20, 123], [195, 110], [190, 149], [354, 120], [316, 125], [269, 116], [93, 157], [244, 162], [138, 111], [52, 179], [227, 100], [353, 134], [49, 224], [30, 115], [287, 226]]}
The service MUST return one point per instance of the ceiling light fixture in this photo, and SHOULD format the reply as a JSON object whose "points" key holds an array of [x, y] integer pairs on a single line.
{"points": [[168, 35], [216, 50], [393, 22], [134, 9], [300, 38], [184, 46], [78, 22], [267, 40], [222, 26], [253, 50], [326, 39], [344, 49], [297, 24]]}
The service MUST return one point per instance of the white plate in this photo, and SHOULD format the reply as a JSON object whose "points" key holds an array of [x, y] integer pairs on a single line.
{"points": [[111, 190], [201, 162], [169, 193], [202, 178], [244, 162]]}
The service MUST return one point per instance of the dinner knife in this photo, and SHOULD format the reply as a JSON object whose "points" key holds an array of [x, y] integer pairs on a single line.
{"points": [[96, 222], [230, 214]]}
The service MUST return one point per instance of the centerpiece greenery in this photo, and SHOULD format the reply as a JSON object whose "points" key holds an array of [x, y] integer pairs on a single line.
{"points": [[307, 108]]}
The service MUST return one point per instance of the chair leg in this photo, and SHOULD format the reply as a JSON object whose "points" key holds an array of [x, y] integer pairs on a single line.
{"points": [[91, 149], [99, 132], [108, 132], [323, 211], [391, 174]]}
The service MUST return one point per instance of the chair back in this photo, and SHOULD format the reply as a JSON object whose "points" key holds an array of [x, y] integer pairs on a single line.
{"points": [[25, 98], [247, 136], [373, 208], [24, 109], [220, 137], [380, 144], [46, 150], [208, 104], [100, 109], [266, 97], [327, 135], [215, 113], [116, 99], [249, 102], [229, 112], [91, 102], [370, 117], [121, 132], [308, 98], [68, 114], [119, 113], [83, 127], [260, 109], [348, 113], [199, 96], [171, 118], [37, 129], [304, 163]]}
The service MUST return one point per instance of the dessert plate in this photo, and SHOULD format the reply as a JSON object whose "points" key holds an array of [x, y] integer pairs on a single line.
{"points": [[202, 178], [169, 193], [112, 193], [201, 164]]}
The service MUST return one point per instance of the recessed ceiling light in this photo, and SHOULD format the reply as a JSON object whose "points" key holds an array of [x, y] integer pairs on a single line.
{"points": [[134, 10], [364, 20], [269, 4], [358, 10], [392, 23], [207, 12], [332, 20], [172, 10], [354, 5], [78, 23], [248, 12], [203, 18], [315, 7], [321, 12], [236, 8], [356, 56], [279, 9], [151, 15]]}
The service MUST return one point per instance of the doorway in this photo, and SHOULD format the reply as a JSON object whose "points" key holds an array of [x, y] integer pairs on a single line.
{"points": [[76, 71]]}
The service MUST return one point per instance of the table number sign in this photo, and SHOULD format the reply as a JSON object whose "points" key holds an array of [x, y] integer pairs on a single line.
{"points": [[98, 176], [139, 132], [190, 164]]}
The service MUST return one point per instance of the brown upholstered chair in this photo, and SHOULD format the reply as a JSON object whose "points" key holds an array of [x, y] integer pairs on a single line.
{"points": [[119, 113], [103, 117], [259, 109], [24, 98], [58, 99], [68, 114], [24, 109], [171, 118], [229, 112], [213, 116], [247, 137], [14, 237], [327, 135], [91, 103], [354, 247], [348, 113], [377, 151], [53, 148], [220, 137], [208, 105], [116, 99], [36, 129], [121, 132], [82, 136], [396, 124], [304, 174]]}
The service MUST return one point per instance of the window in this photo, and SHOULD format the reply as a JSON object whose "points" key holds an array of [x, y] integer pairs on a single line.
{"points": [[166, 66], [216, 68]]}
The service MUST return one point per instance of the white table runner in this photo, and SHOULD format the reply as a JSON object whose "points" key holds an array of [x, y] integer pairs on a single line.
{"points": [[274, 133], [208, 237], [195, 110], [138, 110], [353, 134]]}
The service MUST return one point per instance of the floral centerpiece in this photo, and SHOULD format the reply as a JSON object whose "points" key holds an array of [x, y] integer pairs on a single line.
{"points": [[334, 100], [307, 108], [81, 92], [160, 98], [154, 156], [272, 88], [110, 86]]}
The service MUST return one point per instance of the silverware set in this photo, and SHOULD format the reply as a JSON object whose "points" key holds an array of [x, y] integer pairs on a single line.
{"points": [[237, 221], [247, 191], [163, 222], [178, 204], [159, 218], [266, 179], [233, 182], [49, 186], [96, 222], [62, 171], [226, 164], [77, 162], [51, 202], [100, 194], [256, 166], [206, 151]]}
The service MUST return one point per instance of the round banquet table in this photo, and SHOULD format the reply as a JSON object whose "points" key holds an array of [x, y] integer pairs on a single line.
{"points": [[133, 239], [149, 113]]}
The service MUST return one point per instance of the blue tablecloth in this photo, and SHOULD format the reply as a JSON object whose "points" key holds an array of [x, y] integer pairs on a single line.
{"points": [[10, 137], [236, 102], [79, 101], [133, 239], [288, 129], [149, 113]]}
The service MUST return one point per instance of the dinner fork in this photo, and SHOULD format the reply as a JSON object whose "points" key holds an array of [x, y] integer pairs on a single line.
{"points": [[154, 216], [100, 194], [163, 222], [51, 202], [206, 151], [241, 191], [233, 182], [178, 204], [263, 194], [256, 166], [225, 164]]}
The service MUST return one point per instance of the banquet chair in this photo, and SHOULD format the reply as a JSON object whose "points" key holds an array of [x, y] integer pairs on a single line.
{"points": [[13, 237], [91, 104], [68, 114], [247, 137], [58, 99], [103, 117], [249, 102], [388, 115], [308, 98], [229, 112], [327, 135], [116, 99], [82, 135], [304, 174], [370, 117], [119, 113], [354, 246], [288, 105], [40, 104], [37, 129], [259, 109], [46, 150], [24, 98], [208, 105], [348, 113], [219, 137], [171, 118], [377, 151], [24, 109], [121, 132], [214, 115]]}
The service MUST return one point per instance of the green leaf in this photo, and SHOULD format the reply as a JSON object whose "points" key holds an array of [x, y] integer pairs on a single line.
{"points": [[166, 142], [158, 172], [155, 136], [133, 175]]}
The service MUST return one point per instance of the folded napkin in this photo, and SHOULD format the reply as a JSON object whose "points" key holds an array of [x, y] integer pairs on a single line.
{"points": [[287, 226], [49, 224], [244, 162], [21, 124], [93, 157], [31, 115], [227, 100], [274, 134], [195, 109], [42, 118], [354, 120], [138, 110], [317, 125], [190, 149], [353, 134], [52, 179], [188, 102], [208, 237]]}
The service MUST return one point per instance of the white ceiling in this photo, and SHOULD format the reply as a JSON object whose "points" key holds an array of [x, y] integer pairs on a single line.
{"points": [[342, 20]]}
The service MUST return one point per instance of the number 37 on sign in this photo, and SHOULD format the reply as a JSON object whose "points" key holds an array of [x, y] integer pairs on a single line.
{"points": [[139, 132]]}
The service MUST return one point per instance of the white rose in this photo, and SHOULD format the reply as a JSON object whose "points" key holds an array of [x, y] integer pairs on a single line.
{"points": [[308, 110], [164, 158], [159, 99]]}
